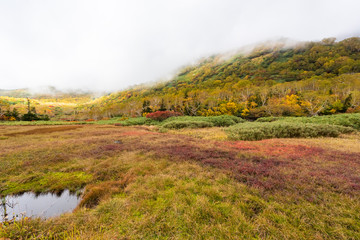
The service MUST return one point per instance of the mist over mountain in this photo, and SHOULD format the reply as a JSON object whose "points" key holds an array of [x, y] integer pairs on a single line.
{"points": [[48, 92], [108, 46]]}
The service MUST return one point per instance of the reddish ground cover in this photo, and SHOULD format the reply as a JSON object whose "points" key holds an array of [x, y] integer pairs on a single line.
{"points": [[274, 164], [136, 133], [268, 165]]}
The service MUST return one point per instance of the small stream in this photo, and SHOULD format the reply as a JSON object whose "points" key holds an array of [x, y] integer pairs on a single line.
{"points": [[43, 205]]}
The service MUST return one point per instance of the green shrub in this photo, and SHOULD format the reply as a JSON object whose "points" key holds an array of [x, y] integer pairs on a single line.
{"points": [[279, 129], [218, 121], [225, 120], [187, 124], [137, 121], [267, 119], [347, 120]]}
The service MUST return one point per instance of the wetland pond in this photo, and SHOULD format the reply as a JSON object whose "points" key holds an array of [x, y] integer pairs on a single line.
{"points": [[43, 205]]}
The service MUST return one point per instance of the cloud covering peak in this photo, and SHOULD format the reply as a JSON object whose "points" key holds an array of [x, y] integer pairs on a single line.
{"points": [[109, 45]]}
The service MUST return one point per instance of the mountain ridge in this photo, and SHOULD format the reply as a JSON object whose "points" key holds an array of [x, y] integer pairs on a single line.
{"points": [[249, 82]]}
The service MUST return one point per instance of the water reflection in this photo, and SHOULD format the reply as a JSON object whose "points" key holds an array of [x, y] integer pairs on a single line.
{"points": [[31, 205]]}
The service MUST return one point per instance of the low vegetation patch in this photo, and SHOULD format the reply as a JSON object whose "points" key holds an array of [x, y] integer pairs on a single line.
{"points": [[217, 121], [137, 121], [282, 129], [172, 120], [187, 124], [46, 182], [162, 115], [346, 120]]}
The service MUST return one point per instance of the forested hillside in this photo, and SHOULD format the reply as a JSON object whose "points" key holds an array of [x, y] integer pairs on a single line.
{"points": [[307, 79], [50, 102], [313, 78]]}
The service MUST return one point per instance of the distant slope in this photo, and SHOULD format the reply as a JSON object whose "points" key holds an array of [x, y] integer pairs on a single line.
{"points": [[308, 79], [45, 93], [17, 93], [49, 101]]}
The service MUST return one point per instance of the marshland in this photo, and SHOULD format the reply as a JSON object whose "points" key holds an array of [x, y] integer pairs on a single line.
{"points": [[148, 181]]}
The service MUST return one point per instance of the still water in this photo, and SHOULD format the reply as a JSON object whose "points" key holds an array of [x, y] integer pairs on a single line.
{"points": [[44, 205]]}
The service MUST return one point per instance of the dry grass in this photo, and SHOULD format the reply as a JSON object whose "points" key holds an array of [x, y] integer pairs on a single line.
{"points": [[43, 130], [141, 184], [345, 143], [214, 133]]}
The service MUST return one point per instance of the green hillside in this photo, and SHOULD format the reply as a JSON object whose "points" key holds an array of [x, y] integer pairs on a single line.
{"points": [[312, 78]]}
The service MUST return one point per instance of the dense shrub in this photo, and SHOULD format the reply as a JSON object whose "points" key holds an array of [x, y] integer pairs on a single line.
{"points": [[218, 121], [265, 130], [34, 117], [225, 120], [267, 119], [153, 119], [10, 115], [162, 115], [137, 121], [347, 120], [187, 124]]}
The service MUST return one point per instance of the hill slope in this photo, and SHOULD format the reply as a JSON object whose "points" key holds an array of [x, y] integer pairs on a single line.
{"points": [[313, 78], [308, 79], [49, 101]]}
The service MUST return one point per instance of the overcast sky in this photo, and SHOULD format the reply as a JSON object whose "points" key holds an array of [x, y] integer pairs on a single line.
{"points": [[109, 45]]}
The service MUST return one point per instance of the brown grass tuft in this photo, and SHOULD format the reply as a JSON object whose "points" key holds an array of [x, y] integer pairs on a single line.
{"points": [[94, 193], [44, 130]]}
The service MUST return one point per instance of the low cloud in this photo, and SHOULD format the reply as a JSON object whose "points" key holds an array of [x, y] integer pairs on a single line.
{"points": [[110, 45]]}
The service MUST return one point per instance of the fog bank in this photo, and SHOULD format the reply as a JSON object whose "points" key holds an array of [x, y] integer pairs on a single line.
{"points": [[110, 45]]}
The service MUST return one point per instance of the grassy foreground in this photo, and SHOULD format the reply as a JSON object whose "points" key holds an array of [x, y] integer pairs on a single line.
{"points": [[142, 184]]}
